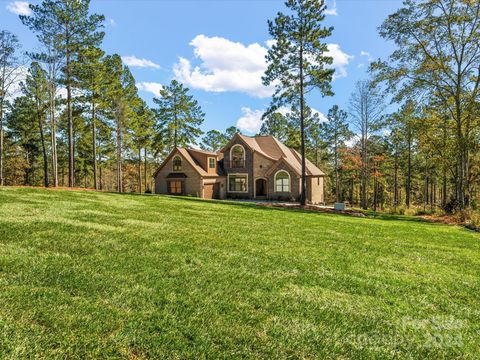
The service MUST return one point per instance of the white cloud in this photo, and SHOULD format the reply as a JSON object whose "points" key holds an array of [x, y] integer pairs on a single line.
{"points": [[225, 66], [340, 60], [332, 10], [112, 22], [133, 61], [151, 87], [367, 55], [19, 7], [361, 65], [353, 140], [232, 66], [250, 121], [321, 115]]}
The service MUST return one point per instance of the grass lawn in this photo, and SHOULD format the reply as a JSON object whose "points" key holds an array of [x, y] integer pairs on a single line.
{"points": [[95, 275]]}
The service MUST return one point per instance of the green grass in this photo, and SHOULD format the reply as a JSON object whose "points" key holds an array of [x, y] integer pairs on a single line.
{"points": [[95, 275]]}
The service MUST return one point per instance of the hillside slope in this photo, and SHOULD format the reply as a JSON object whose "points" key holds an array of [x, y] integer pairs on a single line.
{"points": [[85, 274]]}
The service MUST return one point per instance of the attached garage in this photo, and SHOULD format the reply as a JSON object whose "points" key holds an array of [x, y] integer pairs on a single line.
{"points": [[211, 191]]}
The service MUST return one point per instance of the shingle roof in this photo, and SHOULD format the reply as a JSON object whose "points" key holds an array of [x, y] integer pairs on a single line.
{"points": [[272, 148], [192, 161]]}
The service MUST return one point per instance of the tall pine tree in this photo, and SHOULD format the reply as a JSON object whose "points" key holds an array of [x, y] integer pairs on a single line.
{"points": [[298, 61]]}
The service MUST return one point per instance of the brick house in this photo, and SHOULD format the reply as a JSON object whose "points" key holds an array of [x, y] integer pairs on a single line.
{"points": [[259, 167]]}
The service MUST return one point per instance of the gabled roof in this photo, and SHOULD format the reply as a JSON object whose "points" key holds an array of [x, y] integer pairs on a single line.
{"points": [[274, 149], [186, 155], [205, 152]]}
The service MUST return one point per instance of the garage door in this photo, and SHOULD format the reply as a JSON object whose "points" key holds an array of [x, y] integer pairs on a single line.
{"points": [[211, 191]]}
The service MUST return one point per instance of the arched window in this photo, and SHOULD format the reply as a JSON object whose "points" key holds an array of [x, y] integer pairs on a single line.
{"points": [[282, 181], [177, 163], [237, 157]]}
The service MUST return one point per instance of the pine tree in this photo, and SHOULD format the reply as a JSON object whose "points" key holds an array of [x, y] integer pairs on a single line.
{"points": [[36, 88], [179, 116], [9, 74], [275, 124], [89, 76], [214, 140], [298, 61], [22, 129], [70, 23], [142, 126], [122, 98], [335, 133]]}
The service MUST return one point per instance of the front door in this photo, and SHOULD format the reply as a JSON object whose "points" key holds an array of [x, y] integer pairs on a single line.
{"points": [[260, 188]]}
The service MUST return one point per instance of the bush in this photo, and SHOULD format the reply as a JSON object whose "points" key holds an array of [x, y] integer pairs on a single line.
{"points": [[452, 206]]}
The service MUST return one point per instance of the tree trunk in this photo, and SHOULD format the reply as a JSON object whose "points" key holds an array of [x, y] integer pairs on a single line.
{"points": [[303, 195], [94, 146], [139, 170], [44, 149], [71, 146], [119, 158], [53, 126], [408, 187], [145, 169], [100, 172], [337, 181], [2, 181], [395, 182]]}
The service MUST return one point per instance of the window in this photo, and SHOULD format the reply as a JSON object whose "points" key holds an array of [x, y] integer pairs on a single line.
{"points": [[177, 163], [212, 163], [237, 157], [237, 183], [175, 187], [282, 181]]}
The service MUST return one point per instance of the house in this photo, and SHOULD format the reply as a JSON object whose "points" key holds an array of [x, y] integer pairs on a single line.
{"points": [[259, 167]]}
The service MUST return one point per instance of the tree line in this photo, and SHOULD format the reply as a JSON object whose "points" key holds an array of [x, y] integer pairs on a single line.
{"points": [[78, 119], [423, 154], [70, 115]]}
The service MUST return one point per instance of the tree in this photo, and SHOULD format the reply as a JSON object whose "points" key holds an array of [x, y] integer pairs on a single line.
{"points": [[438, 52], [335, 133], [122, 98], [22, 129], [9, 74], [214, 140], [275, 124], [230, 131], [366, 109], [179, 116], [298, 60], [141, 133], [70, 23], [36, 88], [89, 75]]}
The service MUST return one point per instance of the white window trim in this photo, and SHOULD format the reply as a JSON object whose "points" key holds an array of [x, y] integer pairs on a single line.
{"points": [[228, 183], [173, 162], [289, 182], [215, 166], [244, 154]]}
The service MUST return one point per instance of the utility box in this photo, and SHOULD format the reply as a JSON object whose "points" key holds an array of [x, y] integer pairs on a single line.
{"points": [[339, 206]]}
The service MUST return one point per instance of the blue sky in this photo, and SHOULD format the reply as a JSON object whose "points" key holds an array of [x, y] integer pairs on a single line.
{"points": [[217, 49]]}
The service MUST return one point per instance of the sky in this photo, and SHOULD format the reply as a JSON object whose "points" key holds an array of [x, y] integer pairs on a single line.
{"points": [[217, 49]]}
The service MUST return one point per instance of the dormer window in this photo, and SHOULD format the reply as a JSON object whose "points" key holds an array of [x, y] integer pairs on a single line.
{"points": [[237, 157], [212, 163], [177, 163]]}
